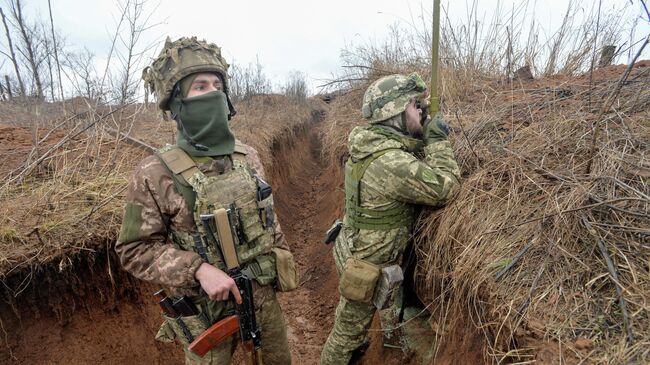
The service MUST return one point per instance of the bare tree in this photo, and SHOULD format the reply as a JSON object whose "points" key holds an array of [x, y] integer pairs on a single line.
{"points": [[82, 74], [12, 55], [296, 85], [137, 21], [248, 81], [30, 51], [56, 55], [48, 61]]}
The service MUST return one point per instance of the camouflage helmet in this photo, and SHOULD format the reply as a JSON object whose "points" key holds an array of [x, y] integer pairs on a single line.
{"points": [[390, 95], [178, 59]]}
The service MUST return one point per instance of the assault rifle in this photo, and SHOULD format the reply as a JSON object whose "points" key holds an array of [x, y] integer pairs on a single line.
{"points": [[228, 233]]}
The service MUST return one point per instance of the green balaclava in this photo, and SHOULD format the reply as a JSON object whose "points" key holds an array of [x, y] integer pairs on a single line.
{"points": [[202, 121]]}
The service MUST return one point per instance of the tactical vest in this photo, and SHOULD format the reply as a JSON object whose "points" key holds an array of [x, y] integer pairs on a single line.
{"points": [[235, 189], [366, 218]]}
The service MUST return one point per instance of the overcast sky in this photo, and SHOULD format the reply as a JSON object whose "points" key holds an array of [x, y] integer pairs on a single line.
{"points": [[285, 35]]}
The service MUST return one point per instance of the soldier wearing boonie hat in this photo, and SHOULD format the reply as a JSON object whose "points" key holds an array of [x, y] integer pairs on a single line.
{"points": [[402, 159], [162, 239]]}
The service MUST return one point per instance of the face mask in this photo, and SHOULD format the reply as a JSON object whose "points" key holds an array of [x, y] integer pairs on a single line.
{"points": [[202, 123]]}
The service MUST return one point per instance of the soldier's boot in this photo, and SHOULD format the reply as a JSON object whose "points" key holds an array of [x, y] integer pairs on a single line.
{"points": [[358, 353]]}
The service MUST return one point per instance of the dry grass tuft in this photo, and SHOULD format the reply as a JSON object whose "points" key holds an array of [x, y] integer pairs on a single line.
{"points": [[524, 247]]}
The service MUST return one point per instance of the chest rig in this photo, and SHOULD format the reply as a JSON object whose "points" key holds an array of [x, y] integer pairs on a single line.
{"points": [[358, 217], [237, 190]]}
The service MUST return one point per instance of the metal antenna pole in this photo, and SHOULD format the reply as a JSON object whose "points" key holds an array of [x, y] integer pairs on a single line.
{"points": [[434, 103]]}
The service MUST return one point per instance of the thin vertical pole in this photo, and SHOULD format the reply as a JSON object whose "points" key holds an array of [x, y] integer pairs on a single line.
{"points": [[434, 105]]}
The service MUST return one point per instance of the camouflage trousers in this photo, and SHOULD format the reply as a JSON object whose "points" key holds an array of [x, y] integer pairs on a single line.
{"points": [[353, 318], [275, 348], [350, 327]]}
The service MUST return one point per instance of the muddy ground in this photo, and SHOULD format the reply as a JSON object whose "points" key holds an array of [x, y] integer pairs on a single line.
{"points": [[92, 312]]}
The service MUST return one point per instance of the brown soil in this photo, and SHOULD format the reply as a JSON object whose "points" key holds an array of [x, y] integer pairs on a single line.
{"points": [[16, 143], [90, 311]]}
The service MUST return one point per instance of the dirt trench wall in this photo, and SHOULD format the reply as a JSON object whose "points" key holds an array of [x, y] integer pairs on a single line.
{"points": [[89, 312]]}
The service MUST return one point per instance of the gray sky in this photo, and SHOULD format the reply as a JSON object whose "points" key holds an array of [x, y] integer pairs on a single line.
{"points": [[287, 35]]}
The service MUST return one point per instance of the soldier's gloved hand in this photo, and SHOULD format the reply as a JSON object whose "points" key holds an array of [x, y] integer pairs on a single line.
{"points": [[435, 130], [216, 284]]}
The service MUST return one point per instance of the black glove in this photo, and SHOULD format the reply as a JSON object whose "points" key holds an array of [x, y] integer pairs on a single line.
{"points": [[435, 130]]}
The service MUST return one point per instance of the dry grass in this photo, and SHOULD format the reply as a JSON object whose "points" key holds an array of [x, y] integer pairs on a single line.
{"points": [[519, 248]]}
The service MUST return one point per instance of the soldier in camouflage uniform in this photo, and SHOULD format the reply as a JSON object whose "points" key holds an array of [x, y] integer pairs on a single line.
{"points": [[160, 240], [395, 164]]}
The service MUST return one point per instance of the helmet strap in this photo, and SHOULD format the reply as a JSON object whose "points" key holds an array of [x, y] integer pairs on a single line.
{"points": [[403, 122], [231, 108]]}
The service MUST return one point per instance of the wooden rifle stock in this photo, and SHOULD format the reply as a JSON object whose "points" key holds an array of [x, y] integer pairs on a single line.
{"points": [[215, 335]]}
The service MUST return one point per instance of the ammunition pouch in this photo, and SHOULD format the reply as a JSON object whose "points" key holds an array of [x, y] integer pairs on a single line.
{"points": [[358, 280], [277, 268], [251, 223], [262, 269], [165, 333], [286, 269], [172, 329]]}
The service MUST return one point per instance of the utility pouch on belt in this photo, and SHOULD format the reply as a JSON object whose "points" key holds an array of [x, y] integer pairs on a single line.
{"points": [[358, 280], [262, 269], [389, 280], [182, 319], [173, 328], [286, 269]]}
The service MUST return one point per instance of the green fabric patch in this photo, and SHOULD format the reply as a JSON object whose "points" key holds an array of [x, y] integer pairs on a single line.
{"points": [[202, 159], [131, 223], [428, 176]]}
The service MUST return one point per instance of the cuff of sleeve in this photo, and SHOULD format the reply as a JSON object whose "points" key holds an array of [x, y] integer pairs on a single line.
{"points": [[435, 146], [193, 268]]}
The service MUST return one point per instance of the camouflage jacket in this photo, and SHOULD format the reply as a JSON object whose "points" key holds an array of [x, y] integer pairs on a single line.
{"points": [[155, 208], [395, 176]]}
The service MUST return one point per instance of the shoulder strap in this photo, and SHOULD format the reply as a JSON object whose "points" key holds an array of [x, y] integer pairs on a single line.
{"points": [[179, 162], [181, 166], [240, 152], [359, 167]]}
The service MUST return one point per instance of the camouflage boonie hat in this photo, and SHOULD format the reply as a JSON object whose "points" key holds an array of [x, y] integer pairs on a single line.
{"points": [[178, 59], [389, 96]]}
